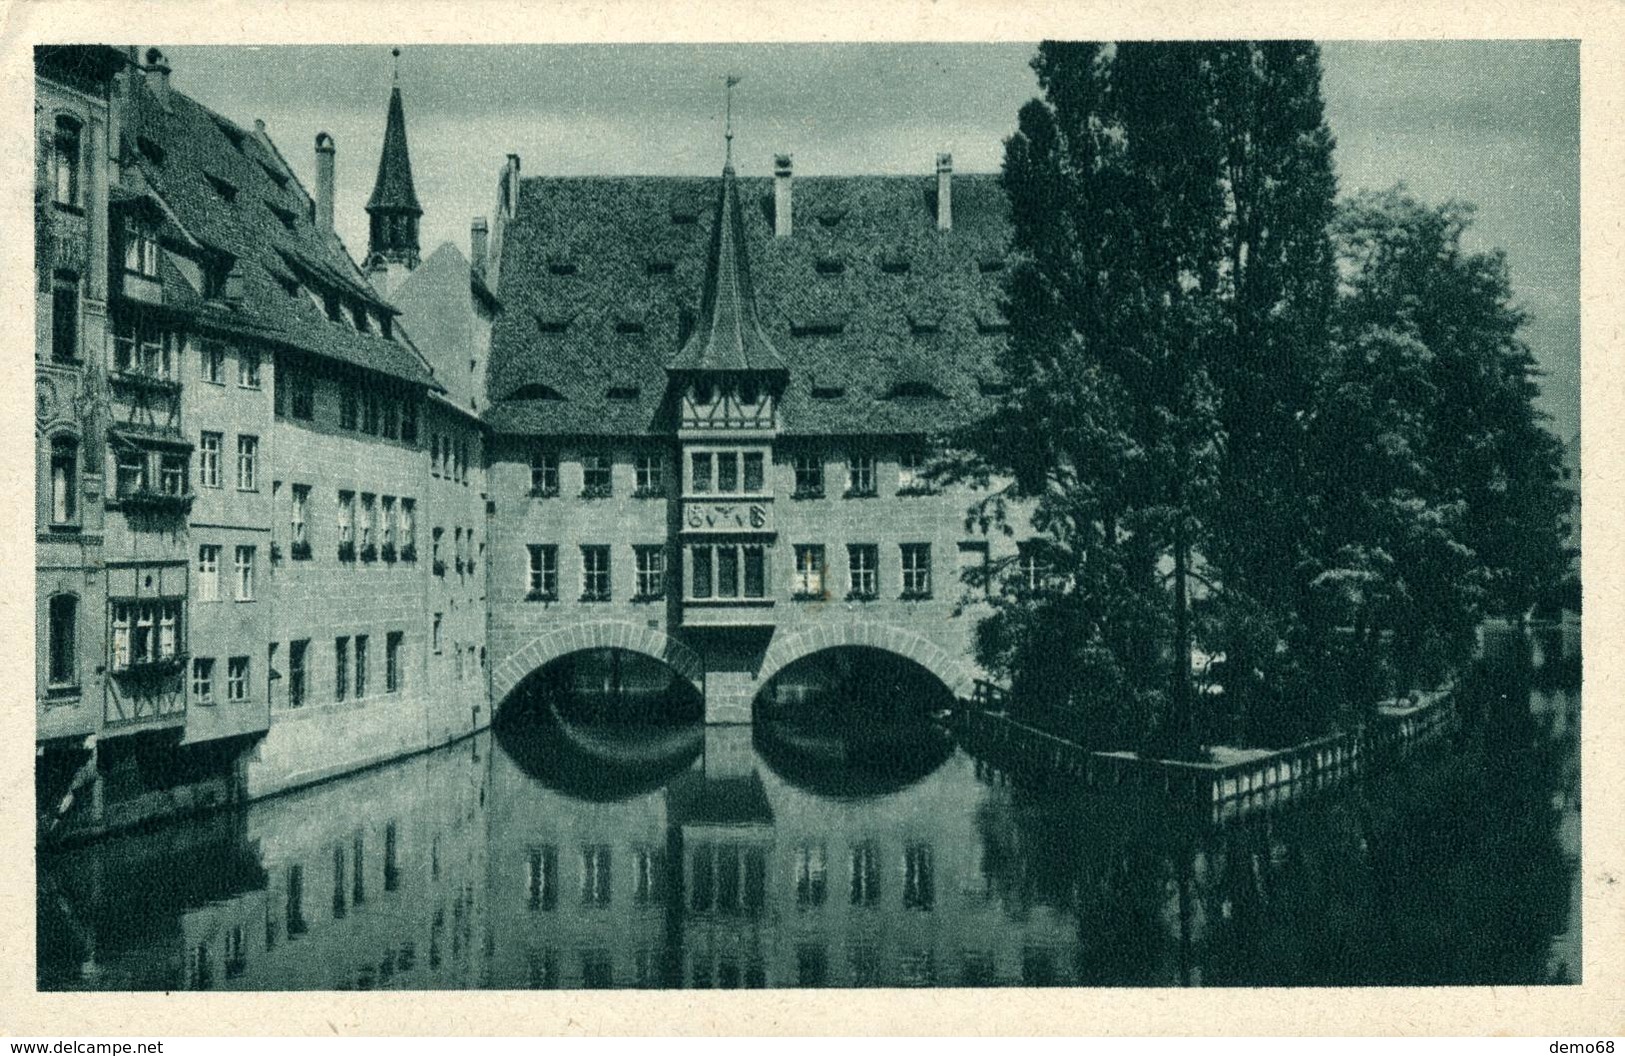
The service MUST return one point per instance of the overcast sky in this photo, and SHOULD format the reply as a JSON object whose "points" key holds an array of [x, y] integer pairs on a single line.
{"points": [[1492, 122]]}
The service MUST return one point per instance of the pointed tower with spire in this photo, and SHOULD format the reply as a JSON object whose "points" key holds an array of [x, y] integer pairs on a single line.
{"points": [[393, 209], [727, 372]]}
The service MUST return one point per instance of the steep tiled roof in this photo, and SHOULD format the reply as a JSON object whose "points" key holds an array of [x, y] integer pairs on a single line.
{"points": [[885, 324], [231, 192]]}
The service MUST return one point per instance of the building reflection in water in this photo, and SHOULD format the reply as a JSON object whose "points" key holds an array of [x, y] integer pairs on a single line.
{"points": [[564, 855]]}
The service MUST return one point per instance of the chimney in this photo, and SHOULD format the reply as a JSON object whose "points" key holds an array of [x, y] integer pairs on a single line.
{"points": [[782, 215], [945, 192], [157, 76], [510, 186], [477, 233], [324, 182]]}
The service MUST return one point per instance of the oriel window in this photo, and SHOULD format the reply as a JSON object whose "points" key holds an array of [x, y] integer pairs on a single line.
{"points": [[700, 476]]}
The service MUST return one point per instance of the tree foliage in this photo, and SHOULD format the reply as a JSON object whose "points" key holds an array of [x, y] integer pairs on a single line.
{"points": [[1222, 448]]}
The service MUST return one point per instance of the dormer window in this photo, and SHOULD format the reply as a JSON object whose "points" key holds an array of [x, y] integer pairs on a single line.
{"points": [[140, 249], [895, 264], [232, 133], [66, 188], [623, 392], [278, 177], [552, 324], [989, 265], [224, 188], [562, 267], [659, 267], [924, 324], [534, 390], [286, 216], [830, 266], [629, 326], [828, 392], [914, 389]]}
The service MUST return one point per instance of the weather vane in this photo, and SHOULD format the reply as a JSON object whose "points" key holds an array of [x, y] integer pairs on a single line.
{"points": [[728, 124]]}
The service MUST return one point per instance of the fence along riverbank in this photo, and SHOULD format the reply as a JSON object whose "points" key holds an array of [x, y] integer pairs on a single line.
{"points": [[1234, 783]]}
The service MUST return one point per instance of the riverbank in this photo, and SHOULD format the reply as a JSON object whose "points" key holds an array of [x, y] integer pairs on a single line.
{"points": [[1232, 782]]}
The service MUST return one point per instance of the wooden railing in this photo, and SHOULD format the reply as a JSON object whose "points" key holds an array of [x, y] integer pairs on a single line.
{"points": [[1216, 790]]}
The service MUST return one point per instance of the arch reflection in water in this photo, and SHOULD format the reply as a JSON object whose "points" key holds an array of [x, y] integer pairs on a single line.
{"points": [[463, 869]]}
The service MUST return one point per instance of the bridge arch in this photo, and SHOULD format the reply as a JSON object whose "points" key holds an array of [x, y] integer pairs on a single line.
{"points": [[606, 634], [958, 673]]}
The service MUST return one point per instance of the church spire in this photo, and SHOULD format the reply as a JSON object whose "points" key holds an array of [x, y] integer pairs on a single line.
{"points": [[393, 207], [727, 336]]}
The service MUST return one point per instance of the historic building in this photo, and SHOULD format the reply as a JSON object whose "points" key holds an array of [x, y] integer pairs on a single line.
{"points": [[299, 514], [247, 465], [712, 404]]}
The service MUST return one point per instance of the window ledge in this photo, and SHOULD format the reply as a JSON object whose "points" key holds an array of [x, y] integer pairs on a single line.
{"points": [[866, 493], [649, 493], [916, 489], [538, 595], [543, 493], [915, 595], [597, 492], [807, 493], [646, 598], [595, 598], [804, 595], [862, 596], [65, 529]]}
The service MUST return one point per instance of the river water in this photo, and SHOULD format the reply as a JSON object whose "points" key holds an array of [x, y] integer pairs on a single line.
{"points": [[583, 855]]}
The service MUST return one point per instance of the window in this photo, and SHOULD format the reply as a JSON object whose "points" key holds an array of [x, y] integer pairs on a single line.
{"points": [[409, 530], [302, 394], [63, 618], [860, 475], [1029, 567], [172, 468], [595, 573], [916, 570], [298, 513], [67, 161], [919, 877], [248, 369], [651, 562], [727, 472], [595, 875], [64, 480], [369, 525], [347, 406], [341, 667], [911, 474], [595, 476], [65, 318], [203, 680], [753, 462], [543, 578], [809, 475], [360, 665], [208, 572], [457, 549], [139, 347], [390, 424], [391, 526], [434, 633], [434, 553], [651, 474], [812, 875], [245, 573], [809, 572], [394, 674], [213, 359], [297, 653], [728, 571], [346, 523], [863, 564], [130, 473], [248, 452], [700, 477], [208, 460], [237, 678], [865, 889], [409, 421], [140, 249]]}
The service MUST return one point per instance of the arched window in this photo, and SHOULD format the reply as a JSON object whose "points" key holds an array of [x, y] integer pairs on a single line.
{"points": [[64, 480], [64, 636], [67, 160]]}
